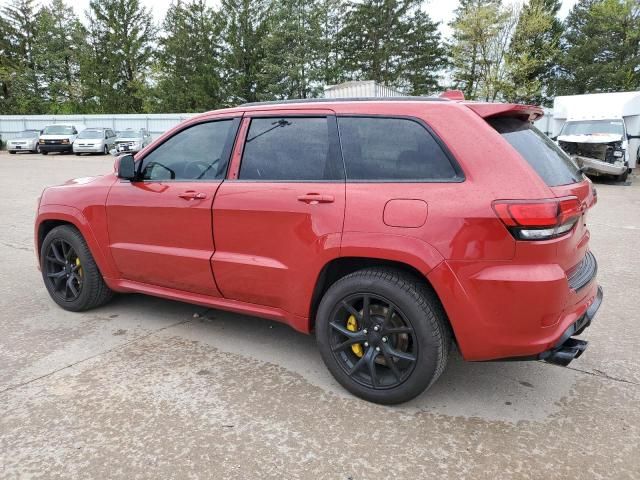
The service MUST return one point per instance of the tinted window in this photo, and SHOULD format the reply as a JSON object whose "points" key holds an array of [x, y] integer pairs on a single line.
{"points": [[59, 130], [547, 159], [92, 134], [377, 148], [192, 154], [289, 149]]}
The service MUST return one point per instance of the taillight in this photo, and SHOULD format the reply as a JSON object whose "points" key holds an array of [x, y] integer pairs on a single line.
{"points": [[538, 219]]}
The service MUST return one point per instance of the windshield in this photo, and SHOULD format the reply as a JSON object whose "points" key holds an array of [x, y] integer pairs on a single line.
{"points": [[593, 127], [28, 134], [130, 134], [95, 134], [58, 130]]}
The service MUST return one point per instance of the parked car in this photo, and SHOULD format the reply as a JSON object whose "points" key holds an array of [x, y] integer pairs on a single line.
{"points": [[389, 228], [25, 141], [57, 138], [132, 141], [94, 140]]}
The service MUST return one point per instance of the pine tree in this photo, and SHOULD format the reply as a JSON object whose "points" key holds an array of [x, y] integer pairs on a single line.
{"points": [[534, 52], [117, 56], [391, 42], [23, 88], [602, 47], [189, 59], [56, 51], [293, 50], [244, 57]]}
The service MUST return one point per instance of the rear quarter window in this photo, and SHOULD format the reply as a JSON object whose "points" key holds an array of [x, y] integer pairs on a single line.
{"points": [[387, 149], [552, 165]]}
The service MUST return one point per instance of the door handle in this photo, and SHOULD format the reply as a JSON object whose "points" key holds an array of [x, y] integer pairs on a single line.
{"points": [[315, 198], [192, 195]]}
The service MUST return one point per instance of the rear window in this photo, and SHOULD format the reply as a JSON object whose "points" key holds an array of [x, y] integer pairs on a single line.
{"points": [[545, 157], [379, 148]]}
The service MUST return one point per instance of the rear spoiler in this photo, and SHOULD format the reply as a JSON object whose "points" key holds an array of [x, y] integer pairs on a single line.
{"points": [[523, 112]]}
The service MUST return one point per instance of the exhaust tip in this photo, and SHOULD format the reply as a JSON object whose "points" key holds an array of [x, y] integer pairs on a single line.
{"points": [[563, 355]]}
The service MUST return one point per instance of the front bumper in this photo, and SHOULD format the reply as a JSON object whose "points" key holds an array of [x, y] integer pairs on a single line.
{"points": [[591, 165], [55, 147], [88, 149], [20, 148]]}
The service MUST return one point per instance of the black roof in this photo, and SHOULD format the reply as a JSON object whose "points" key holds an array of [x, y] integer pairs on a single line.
{"points": [[348, 99]]}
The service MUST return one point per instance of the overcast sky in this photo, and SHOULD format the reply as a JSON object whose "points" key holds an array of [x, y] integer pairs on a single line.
{"points": [[440, 10]]}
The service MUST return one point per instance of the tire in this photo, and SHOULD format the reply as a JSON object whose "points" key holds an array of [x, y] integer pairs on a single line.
{"points": [[44, 153], [12, 152], [622, 177], [418, 357], [77, 154], [92, 291], [37, 150], [106, 150]]}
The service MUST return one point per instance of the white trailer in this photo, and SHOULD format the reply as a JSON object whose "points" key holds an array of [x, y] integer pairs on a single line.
{"points": [[601, 131]]}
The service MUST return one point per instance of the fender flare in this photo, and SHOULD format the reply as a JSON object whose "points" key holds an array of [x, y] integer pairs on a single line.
{"points": [[75, 217], [411, 251]]}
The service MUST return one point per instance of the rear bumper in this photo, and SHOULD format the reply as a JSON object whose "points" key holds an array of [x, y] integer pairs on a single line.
{"points": [[96, 149], [502, 310], [568, 348], [55, 148]]}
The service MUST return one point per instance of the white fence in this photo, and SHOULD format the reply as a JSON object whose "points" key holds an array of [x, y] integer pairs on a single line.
{"points": [[156, 124]]}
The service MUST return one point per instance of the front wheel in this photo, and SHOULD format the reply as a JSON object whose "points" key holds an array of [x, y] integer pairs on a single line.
{"points": [[383, 335], [44, 153], [69, 271]]}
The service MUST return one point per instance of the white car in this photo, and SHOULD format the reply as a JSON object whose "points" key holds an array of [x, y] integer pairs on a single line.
{"points": [[132, 141], [94, 140], [57, 138], [25, 141]]}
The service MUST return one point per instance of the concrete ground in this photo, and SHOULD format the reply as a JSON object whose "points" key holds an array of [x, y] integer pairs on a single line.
{"points": [[143, 388]]}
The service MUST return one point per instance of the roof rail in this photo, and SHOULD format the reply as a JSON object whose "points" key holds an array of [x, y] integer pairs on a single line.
{"points": [[347, 99]]}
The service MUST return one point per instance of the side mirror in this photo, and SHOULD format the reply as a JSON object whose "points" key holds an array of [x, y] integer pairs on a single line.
{"points": [[127, 168]]}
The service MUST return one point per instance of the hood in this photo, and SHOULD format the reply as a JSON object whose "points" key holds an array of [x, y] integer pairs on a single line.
{"points": [[82, 180], [596, 138]]}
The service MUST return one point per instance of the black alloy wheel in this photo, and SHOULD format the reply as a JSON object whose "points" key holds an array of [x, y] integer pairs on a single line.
{"points": [[373, 341], [63, 270]]}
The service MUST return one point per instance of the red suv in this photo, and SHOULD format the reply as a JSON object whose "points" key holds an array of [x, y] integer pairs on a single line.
{"points": [[390, 228]]}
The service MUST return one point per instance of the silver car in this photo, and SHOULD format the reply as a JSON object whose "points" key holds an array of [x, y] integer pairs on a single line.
{"points": [[94, 140], [132, 141], [26, 141]]}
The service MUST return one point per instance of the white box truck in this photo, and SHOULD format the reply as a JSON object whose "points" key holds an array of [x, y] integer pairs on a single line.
{"points": [[601, 131]]}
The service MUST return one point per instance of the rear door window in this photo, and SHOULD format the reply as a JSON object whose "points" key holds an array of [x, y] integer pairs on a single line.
{"points": [[290, 149], [381, 148], [553, 165]]}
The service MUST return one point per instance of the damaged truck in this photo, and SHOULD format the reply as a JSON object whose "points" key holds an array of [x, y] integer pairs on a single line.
{"points": [[601, 132]]}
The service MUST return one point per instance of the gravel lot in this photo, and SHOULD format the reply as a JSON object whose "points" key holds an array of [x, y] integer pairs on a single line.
{"points": [[142, 389]]}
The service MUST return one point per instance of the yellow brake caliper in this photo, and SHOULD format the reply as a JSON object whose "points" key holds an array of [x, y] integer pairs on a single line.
{"points": [[79, 266], [352, 326]]}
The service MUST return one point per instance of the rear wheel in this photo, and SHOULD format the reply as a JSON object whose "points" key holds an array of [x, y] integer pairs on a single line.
{"points": [[69, 271], [383, 335]]}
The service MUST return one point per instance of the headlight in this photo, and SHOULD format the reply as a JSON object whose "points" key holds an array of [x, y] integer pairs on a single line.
{"points": [[618, 153], [40, 141], [65, 140]]}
